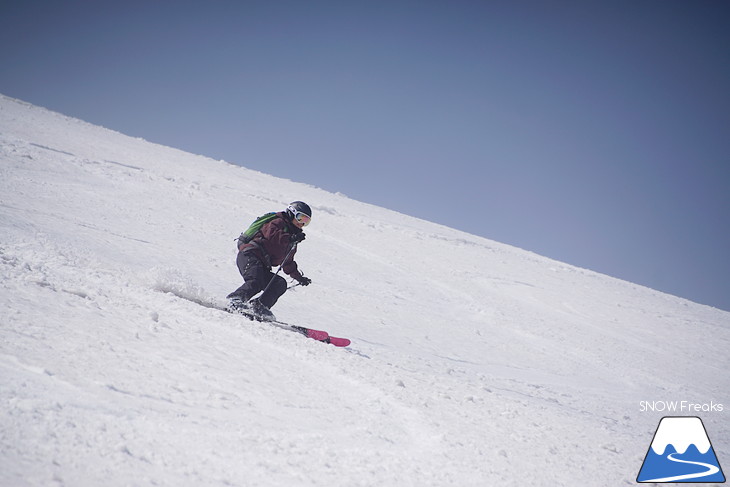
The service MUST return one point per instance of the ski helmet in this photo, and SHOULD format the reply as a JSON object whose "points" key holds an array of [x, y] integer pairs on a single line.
{"points": [[300, 211]]}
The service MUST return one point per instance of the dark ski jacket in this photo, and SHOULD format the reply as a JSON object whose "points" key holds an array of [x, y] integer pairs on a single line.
{"points": [[272, 242]]}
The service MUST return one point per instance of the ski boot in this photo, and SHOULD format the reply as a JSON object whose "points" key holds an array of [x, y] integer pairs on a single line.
{"points": [[236, 304], [260, 311]]}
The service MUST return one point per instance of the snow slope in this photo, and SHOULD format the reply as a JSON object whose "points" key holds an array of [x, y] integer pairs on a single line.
{"points": [[472, 362]]}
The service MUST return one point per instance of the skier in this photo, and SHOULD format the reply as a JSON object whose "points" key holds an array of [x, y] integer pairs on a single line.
{"points": [[273, 243]]}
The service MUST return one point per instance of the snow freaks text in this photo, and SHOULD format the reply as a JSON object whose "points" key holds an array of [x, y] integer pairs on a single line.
{"points": [[682, 407]]}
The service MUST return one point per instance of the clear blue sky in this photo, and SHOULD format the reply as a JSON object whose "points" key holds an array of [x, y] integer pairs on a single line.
{"points": [[595, 133]]}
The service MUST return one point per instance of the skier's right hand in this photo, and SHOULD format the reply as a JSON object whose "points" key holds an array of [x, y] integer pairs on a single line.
{"points": [[305, 281], [297, 237]]}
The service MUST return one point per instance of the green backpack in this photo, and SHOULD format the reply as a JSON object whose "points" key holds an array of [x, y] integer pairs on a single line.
{"points": [[254, 228]]}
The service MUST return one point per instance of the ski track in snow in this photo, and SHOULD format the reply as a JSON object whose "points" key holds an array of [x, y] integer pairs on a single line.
{"points": [[472, 362]]}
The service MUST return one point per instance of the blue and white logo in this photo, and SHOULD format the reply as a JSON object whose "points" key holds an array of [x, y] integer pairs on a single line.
{"points": [[681, 452]]}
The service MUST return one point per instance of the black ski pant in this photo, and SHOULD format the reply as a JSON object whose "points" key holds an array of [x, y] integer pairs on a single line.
{"points": [[256, 276]]}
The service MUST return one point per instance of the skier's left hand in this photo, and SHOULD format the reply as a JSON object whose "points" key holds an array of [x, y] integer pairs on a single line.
{"points": [[305, 281], [297, 237]]}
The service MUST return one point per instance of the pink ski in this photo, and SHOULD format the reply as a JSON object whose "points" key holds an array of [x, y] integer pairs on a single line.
{"points": [[339, 342], [322, 336], [318, 335], [315, 334]]}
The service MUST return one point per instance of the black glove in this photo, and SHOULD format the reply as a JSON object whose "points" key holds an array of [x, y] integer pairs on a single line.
{"points": [[305, 281], [297, 237]]}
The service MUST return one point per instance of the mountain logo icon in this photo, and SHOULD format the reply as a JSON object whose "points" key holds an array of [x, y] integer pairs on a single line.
{"points": [[681, 452]]}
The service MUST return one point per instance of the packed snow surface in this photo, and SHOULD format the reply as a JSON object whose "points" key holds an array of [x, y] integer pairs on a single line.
{"points": [[472, 363]]}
